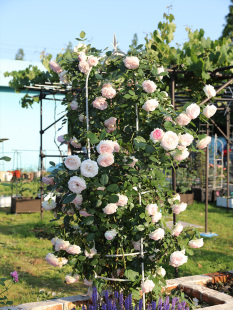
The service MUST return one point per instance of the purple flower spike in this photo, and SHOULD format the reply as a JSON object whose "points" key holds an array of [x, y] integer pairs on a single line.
{"points": [[153, 304], [140, 304], [116, 294]]}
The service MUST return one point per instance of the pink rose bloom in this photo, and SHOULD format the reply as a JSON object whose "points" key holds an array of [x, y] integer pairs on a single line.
{"points": [[110, 124], [209, 110], [72, 162], [110, 208], [179, 208], [92, 61], [131, 62], [89, 168], [48, 181], [152, 208], [160, 70], [61, 245], [180, 156], [87, 283], [84, 67], [183, 119], [186, 139], [156, 135], [116, 147], [100, 103], [198, 243], [82, 57], [156, 217], [108, 91], [204, 142], [53, 260], [74, 142], [73, 249], [150, 105], [105, 146], [158, 234], [137, 245], [74, 105], [61, 139], [110, 234], [55, 66], [91, 254], [147, 286], [193, 110], [122, 200], [63, 77], [169, 141], [209, 91], [149, 86], [84, 213], [76, 184], [178, 258], [105, 159], [177, 229], [69, 279], [78, 200]]}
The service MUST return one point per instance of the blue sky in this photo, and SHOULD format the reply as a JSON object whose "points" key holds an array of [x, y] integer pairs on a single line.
{"points": [[49, 25]]}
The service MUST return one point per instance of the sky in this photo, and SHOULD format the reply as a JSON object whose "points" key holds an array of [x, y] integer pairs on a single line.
{"points": [[49, 25]]}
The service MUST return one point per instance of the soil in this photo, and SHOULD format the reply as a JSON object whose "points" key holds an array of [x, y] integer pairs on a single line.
{"points": [[226, 287]]}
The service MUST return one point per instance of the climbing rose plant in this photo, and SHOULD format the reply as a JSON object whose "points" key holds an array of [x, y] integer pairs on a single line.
{"points": [[114, 198]]}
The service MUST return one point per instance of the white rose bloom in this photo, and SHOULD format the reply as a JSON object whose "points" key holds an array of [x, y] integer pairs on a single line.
{"points": [[110, 234], [198, 243], [209, 91], [174, 198], [76, 184], [209, 110], [69, 279], [91, 254], [72, 162], [169, 141], [49, 204], [74, 105], [61, 244], [177, 229], [89, 168], [156, 217], [161, 271]]}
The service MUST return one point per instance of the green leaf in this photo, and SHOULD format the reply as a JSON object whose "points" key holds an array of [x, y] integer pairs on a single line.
{"points": [[112, 188], [88, 220], [200, 137], [131, 92], [6, 158], [82, 34], [127, 96], [149, 149], [103, 135], [52, 163], [81, 257], [113, 198], [104, 179], [98, 76], [69, 198], [93, 138], [139, 142], [131, 274], [90, 237], [140, 227]]}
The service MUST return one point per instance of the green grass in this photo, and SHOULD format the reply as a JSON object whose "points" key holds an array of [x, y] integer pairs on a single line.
{"points": [[25, 241]]}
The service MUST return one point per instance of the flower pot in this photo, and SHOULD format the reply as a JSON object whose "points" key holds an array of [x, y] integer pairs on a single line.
{"points": [[5, 201], [25, 205], [222, 202]]}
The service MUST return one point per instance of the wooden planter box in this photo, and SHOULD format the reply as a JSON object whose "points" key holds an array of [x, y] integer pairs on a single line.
{"points": [[187, 198], [25, 205]]}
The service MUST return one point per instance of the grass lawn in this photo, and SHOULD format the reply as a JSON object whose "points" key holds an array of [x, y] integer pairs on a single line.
{"points": [[23, 246], [25, 241]]}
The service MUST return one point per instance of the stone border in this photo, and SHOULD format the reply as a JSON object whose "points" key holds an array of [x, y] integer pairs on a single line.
{"points": [[193, 285]]}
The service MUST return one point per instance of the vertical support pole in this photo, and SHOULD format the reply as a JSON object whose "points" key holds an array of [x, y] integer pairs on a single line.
{"points": [[143, 276], [206, 182], [173, 169], [228, 154], [41, 155], [87, 116]]}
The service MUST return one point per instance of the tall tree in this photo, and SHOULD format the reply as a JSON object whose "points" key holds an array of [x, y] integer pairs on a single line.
{"points": [[228, 27], [20, 54]]}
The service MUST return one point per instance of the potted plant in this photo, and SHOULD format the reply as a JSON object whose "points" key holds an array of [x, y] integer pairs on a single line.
{"points": [[24, 196], [186, 177]]}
